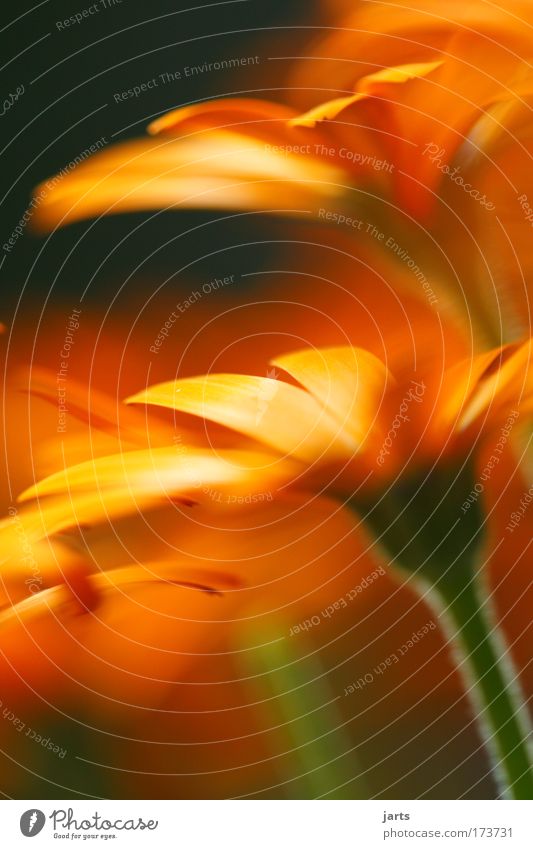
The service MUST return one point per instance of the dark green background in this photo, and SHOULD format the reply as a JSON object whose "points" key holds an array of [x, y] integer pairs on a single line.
{"points": [[80, 68]]}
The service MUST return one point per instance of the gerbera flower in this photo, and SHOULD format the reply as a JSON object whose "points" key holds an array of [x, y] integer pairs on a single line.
{"points": [[399, 454], [397, 149], [421, 132]]}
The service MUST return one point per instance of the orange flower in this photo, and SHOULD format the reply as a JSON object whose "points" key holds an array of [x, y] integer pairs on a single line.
{"points": [[422, 108], [421, 133], [331, 431], [406, 78], [346, 420]]}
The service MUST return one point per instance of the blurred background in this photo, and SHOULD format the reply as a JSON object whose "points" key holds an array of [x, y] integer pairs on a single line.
{"points": [[70, 77]]}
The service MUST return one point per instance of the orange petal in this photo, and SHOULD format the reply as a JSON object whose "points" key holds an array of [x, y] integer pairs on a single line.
{"points": [[271, 411], [113, 486], [223, 113], [508, 384], [217, 170], [373, 85], [93, 407], [327, 111], [350, 382], [146, 630], [206, 580], [498, 379]]}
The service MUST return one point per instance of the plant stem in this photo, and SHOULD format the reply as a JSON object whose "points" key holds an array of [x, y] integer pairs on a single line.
{"points": [[425, 532], [488, 675], [309, 719]]}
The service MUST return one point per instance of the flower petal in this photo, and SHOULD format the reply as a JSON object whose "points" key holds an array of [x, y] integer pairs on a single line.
{"points": [[508, 384], [497, 380], [271, 411], [223, 113], [128, 651], [373, 85], [113, 486], [349, 381], [215, 170], [95, 408], [206, 580]]}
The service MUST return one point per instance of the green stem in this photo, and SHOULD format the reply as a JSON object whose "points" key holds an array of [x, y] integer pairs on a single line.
{"points": [[488, 674], [426, 533], [309, 717]]}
